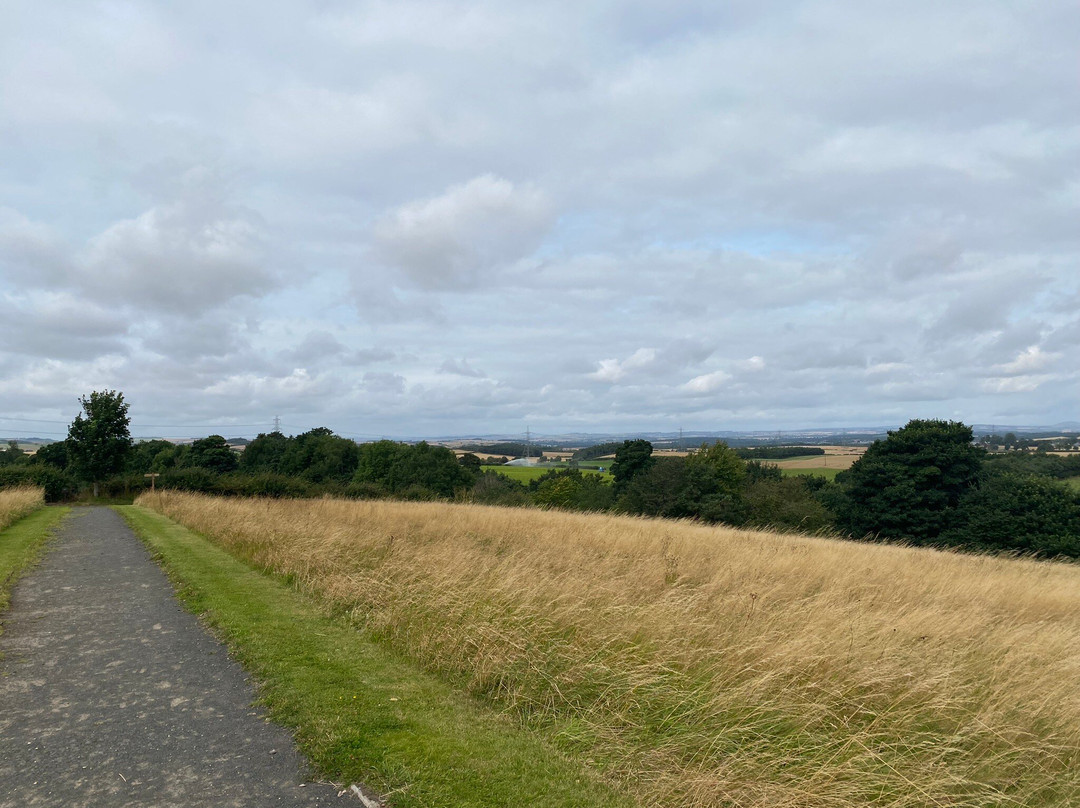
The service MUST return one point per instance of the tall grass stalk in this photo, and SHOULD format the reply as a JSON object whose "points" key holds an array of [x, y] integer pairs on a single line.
{"points": [[15, 503], [705, 666]]}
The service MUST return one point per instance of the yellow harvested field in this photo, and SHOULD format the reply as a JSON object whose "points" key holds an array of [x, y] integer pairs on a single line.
{"points": [[15, 503], [705, 666]]}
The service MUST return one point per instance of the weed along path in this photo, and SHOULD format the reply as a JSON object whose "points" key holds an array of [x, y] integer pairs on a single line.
{"points": [[112, 695]]}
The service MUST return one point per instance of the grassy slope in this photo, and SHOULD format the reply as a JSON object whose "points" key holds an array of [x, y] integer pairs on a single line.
{"points": [[360, 713], [22, 544], [707, 666]]}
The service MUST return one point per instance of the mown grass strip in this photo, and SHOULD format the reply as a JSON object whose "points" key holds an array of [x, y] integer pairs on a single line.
{"points": [[22, 544], [361, 714]]}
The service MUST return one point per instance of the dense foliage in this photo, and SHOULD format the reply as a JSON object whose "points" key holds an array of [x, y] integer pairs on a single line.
{"points": [[598, 450], [909, 485], [509, 448], [778, 452], [928, 484]]}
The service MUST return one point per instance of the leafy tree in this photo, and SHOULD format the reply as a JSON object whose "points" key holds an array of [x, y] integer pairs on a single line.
{"points": [[99, 438], [416, 472], [1018, 512], [319, 455], [13, 455], [471, 462], [730, 469], [631, 459], [432, 468], [53, 454], [264, 454], [908, 486], [212, 453], [677, 488], [151, 455], [376, 460], [757, 471], [572, 489]]}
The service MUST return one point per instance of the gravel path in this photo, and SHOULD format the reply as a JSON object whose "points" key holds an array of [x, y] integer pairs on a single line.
{"points": [[112, 695]]}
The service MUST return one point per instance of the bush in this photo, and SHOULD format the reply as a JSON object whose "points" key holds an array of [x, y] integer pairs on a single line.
{"points": [[274, 486], [680, 488], [58, 485], [1018, 513], [198, 480], [124, 485], [572, 489], [786, 503], [492, 488]]}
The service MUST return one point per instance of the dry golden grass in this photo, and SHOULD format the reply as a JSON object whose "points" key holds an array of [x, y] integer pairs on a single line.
{"points": [[707, 666], [15, 503]]}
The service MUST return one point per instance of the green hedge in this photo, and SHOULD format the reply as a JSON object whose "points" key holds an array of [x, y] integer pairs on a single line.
{"points": [[58, 485]]}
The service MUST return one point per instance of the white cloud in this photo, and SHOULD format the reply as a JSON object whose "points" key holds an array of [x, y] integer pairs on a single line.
{"points": [[613, 370], [460, 238], [707, 383], [1030, 360], [175, 258]]}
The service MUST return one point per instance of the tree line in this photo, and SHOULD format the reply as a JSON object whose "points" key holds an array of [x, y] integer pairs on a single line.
{"points": [[925, 484]]}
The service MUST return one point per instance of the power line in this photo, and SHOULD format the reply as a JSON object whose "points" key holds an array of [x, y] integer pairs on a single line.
{"points": [[46, 433], [31, 420], [140, 426]]}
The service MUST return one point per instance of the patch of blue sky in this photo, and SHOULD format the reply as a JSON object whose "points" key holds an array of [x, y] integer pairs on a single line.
{"points": [[760, 243]]}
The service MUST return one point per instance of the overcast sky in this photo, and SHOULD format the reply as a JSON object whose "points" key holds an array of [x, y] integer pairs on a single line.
{"points": [[428, 218]]}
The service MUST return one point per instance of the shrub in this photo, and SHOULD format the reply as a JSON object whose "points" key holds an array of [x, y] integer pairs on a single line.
{"points": [[275, 486], [1021, 513], [492, 488], [199, 480], [58, 485]]}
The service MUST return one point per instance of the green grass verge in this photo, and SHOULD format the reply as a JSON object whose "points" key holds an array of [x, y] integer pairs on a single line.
{"points": [[828, 474], [526, 473], [22, 544], [360, 713]]}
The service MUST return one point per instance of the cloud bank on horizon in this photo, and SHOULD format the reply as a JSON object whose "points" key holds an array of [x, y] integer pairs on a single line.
{"points": [[428, 217]]}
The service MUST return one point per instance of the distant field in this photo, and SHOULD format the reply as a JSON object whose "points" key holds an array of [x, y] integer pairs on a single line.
{"points": [[1074, 483], [810, 471], [839, 462], [526, 473], [698, 666]]}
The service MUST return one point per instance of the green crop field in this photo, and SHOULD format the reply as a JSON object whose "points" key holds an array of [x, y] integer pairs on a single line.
{"points": [[526, 473], [828, 474]]}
